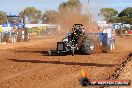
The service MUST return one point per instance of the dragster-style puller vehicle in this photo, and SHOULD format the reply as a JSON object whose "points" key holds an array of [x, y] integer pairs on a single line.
{"points": [[85, 43]]}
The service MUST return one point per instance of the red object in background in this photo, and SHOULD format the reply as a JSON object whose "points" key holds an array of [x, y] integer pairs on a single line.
{"points": [[130, 32]]}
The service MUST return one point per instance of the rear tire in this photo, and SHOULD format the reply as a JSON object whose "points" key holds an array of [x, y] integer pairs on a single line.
{"points": [[88, 46]]}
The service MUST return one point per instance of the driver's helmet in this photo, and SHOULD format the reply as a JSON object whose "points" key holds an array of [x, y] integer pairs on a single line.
{"points": [[69, 33]]}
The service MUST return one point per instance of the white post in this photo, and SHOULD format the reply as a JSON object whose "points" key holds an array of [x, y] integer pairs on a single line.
{"points": [[89, 14]]}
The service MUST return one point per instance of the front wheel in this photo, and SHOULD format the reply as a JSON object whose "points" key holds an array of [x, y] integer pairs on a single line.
{"points": [[49, 52], [73, 51]]}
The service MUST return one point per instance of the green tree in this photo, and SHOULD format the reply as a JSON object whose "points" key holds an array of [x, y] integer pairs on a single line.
{"points": [[124, 19], [109, 14], [125, 16], [71, 6], [126, 12], [3, 17], [32, 14], [50, 16]]}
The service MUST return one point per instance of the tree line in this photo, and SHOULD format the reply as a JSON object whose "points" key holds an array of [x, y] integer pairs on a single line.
{"points": [[34, 15], [70, 11], [113, 16]]}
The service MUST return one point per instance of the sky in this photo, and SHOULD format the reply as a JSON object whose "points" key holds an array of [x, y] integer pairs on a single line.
{"points": [[16, 6]]}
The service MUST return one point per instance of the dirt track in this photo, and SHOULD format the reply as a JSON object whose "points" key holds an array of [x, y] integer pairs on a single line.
{"points": [[26, 65]]}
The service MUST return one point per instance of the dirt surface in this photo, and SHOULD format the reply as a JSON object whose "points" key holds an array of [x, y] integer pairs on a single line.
{"points": [[126, 74], [26, 64]]}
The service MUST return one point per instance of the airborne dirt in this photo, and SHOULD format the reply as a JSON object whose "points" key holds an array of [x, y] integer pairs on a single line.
{"points": [[26, 65]]}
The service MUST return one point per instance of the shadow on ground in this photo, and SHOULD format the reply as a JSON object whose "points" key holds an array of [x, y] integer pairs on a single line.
{"points": [[65, 63], [43, 52]]}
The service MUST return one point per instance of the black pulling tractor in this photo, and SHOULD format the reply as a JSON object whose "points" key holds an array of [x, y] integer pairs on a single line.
{"points": [[77, 41]]}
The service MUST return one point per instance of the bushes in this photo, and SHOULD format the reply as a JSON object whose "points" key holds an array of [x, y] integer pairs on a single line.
{"points": [[36, 30]]}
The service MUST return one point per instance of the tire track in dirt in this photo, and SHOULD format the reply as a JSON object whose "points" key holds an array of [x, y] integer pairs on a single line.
{"points": [[73, 81], [119, 69]]}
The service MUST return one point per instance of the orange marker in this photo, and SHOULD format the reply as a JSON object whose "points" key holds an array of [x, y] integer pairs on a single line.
{"points": [[84, 74]]}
